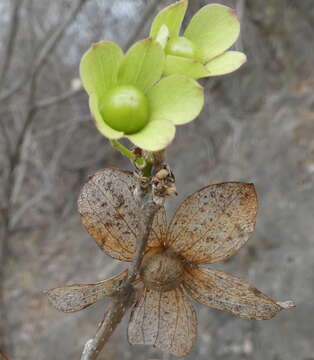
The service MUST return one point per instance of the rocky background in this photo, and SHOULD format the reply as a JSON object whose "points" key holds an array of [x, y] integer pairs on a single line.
{"points": [[257, 126]]}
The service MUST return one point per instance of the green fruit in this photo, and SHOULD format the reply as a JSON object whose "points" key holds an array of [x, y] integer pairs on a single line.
{"points": [[181, 46], [125, 108]]}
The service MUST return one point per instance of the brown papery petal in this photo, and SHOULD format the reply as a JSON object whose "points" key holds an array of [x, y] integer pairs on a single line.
{"points": [[158, 232], [110, 213], [214, 222], [166, 320], [226, 292], [77, 297]]}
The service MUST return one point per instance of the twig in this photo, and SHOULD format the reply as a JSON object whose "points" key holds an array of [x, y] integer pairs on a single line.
{"points": [[113, 316], [240, 7], [14, 24], [149, 209], [57, 99], [16, 156]]}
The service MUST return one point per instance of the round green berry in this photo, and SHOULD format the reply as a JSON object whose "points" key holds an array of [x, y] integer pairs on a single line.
{"points": [[181, 46], [125, 108]]}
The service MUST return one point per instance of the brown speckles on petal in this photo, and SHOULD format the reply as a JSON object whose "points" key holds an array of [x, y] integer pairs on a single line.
{"points": [[73, 298], [110, 213], [226, 292], [214, 222]]}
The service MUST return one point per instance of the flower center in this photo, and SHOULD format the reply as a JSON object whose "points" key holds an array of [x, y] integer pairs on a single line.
{"points": [[181, 46], [125, 108], [162, 270]]}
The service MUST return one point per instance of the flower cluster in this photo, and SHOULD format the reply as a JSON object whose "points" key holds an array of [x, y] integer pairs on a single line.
{"points": [[143, 94]]}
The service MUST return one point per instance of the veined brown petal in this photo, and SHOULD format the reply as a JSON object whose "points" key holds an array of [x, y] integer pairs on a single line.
{"points": [[77, 297], [214, 222], [157, 236], [226, 292], [166, 320], [110, 213]]}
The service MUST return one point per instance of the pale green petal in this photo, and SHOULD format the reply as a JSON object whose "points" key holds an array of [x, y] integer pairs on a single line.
{"points": [[176, 98], [99, 67], [226, 63], [156, 135], [184, 66], [171, 16], [142, 65], [103, 128], [214, 28]]}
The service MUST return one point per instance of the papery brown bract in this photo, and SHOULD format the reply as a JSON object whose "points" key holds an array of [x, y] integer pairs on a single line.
{"points": [[73, 298], [214, 222], [166, 320], [110, 213]]}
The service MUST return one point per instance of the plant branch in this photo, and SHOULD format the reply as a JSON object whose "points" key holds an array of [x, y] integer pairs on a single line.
{"points": [[123, 150], [15, 157], [58, 98], [138, 161], [149, 209], [113, 316], [14, 24]]}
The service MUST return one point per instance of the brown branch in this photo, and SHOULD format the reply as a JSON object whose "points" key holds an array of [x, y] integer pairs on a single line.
{"points": [[14, 24], [30, 114], [113, 316], [56, 36], [149, 209], [240, 8], [16, 156], [57, 99]]}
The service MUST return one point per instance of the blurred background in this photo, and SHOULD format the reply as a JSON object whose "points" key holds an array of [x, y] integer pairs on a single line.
{"points": [[257, 126]]}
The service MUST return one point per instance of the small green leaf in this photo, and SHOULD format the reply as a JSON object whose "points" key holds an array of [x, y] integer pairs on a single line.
{"points": [[142, 65], [171, 16], [103, 128], [99, 67], [176, 98], [214, 28], [226, 63], [157, 135], [184, 66]]}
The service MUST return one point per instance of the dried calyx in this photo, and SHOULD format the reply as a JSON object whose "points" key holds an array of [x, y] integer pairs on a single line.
{"points": [[162, 270]]}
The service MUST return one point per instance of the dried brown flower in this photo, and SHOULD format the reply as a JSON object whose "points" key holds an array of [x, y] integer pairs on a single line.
{"points": [[210, 225]]}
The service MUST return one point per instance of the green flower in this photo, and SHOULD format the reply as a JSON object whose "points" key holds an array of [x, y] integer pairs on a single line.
{"points": [[128, 99], [202, 51]]}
